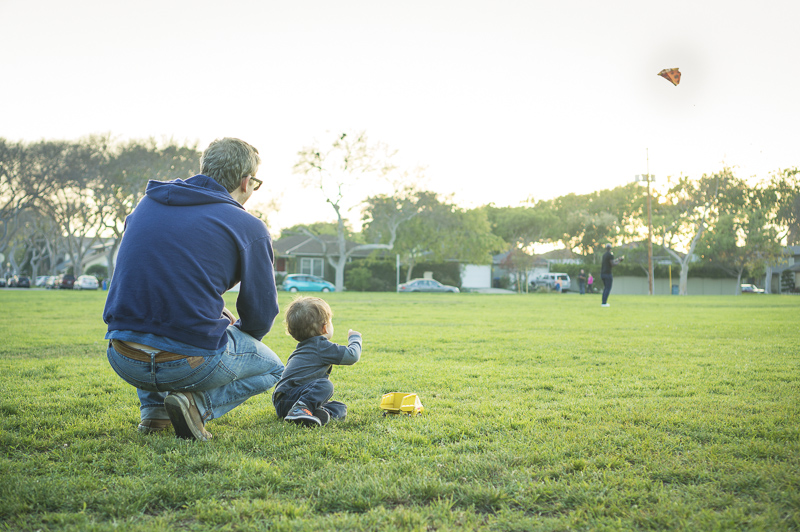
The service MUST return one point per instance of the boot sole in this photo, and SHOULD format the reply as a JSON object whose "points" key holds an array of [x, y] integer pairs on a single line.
{"points": [[177, 407]]}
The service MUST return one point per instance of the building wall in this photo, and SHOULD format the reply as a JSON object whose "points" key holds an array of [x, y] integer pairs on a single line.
{"points": [[696, 286], [476, 276]]}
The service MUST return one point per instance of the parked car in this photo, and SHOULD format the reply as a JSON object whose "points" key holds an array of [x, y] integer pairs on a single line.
{"points": [[52, 282], [751, 289], [40, 280], [549, 280], [86, 282], [66, 281], [2, 282], [299, 282], [19, 281], [426, 285]]}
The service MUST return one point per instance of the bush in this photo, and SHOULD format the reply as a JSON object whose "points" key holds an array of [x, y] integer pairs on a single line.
{"points": [[787, 281], [358, 278], [98, 270], [369, 275]]}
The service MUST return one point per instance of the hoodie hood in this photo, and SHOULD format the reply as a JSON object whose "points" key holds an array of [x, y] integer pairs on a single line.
{"points": [[197, 190]]}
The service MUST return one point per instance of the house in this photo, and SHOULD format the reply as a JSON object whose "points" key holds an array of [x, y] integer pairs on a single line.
{"points": [[503, 268], [306, 254], [790, 264]]}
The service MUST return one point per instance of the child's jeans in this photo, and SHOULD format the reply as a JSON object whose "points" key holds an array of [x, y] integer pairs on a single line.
{"points": [[314, 394]]}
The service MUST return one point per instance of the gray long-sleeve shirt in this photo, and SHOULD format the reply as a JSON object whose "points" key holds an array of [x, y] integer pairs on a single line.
{"points": [[314, 358]]}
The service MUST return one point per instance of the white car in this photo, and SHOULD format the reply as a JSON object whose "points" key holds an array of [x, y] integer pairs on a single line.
{"points": [[86, 282], [550, 280], [751, 289], [426, 285]]}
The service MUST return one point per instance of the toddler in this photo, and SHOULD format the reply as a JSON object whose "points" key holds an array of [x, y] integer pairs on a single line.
{"points": [[303, 394]]}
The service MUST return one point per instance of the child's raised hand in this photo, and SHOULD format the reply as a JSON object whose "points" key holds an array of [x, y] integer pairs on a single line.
{"points": [[352, 332]]}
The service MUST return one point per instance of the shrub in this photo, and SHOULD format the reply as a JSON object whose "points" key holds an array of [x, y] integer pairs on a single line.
{"points": [[98, 270]]}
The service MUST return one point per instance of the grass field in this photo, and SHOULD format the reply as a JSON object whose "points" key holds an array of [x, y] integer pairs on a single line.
{"points": [[543, 412]]}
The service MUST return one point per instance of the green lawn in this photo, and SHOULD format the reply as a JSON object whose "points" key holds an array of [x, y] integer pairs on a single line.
{"points": [[542, 412]]}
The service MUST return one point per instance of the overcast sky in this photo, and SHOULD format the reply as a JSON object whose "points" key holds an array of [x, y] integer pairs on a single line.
{"points": [[499, 100]]}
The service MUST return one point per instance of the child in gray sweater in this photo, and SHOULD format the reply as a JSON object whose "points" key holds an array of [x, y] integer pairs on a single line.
{"points": [[303, 395]]}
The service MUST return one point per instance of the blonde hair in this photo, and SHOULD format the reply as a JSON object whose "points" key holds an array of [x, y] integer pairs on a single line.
{"points": [[306, 317]]}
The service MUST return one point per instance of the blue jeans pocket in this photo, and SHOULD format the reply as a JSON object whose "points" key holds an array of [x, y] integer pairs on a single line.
{"points": [[175, 375]]}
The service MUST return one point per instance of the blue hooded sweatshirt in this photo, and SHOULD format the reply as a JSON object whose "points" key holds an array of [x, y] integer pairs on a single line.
{"points": [[186, 244]]}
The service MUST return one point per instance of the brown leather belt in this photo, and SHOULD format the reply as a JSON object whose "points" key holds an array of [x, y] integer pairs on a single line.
{"points": [[143, 356]]}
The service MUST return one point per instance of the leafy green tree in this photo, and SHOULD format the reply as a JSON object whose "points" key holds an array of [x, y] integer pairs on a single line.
{"points": [[320, 229], [588, 221], [744, 237], [433, 231], [738, 245], [686, 211], [522, 227], [785, 185]]}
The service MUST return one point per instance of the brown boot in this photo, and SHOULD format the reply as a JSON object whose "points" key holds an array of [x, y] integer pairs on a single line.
{"points": [[185, 416], [149, 426]]}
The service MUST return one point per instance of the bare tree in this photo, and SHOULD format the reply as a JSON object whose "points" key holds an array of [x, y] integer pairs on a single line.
{"points": [[26, 174], [124, 178], [73, 203], [336, 171]]}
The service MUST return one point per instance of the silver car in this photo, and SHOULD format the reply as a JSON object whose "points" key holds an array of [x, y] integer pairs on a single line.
{"points": [[426, 285]]}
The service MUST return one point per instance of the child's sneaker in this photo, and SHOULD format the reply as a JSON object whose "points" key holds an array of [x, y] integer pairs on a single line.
{"points": [[323, 415], [301, 414]]}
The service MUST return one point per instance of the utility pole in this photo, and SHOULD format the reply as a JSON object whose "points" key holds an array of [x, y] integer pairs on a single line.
{"points": [[648, 177]]}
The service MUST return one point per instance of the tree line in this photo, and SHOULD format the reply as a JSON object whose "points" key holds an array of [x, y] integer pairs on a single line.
{"points": [[59, 198]]}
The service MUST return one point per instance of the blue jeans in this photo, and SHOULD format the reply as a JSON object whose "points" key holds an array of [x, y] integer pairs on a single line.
{"points": [[314, 394], [607, 282], [219, 383]]}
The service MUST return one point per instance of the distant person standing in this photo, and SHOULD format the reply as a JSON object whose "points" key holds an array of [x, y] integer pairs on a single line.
{"points": [[605, 274], [582, 282], [590, 283]]}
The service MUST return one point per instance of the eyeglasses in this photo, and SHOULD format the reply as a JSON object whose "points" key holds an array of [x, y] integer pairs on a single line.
{"points": [[258, 182]]}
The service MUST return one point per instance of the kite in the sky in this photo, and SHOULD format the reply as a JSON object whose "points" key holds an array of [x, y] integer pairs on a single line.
{"points": [[671, 74]]}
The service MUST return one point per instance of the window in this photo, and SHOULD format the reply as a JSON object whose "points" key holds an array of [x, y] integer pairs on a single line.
{"points": [[312, 267]]}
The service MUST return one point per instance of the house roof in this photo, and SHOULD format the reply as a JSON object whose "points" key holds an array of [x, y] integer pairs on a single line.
{"points": [[307, 246]]}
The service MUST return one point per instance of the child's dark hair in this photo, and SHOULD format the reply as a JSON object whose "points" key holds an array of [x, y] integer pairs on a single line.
{"points": [[306, 317]]}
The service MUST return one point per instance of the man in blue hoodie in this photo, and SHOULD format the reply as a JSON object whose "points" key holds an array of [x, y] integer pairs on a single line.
{"points": [[185, 244]]}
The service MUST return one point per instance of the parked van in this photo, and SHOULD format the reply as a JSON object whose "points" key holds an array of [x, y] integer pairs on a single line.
{"points": [[552, 281]]}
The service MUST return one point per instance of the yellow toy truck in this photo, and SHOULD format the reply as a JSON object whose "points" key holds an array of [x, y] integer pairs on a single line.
{"points": [[401, 403]]}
